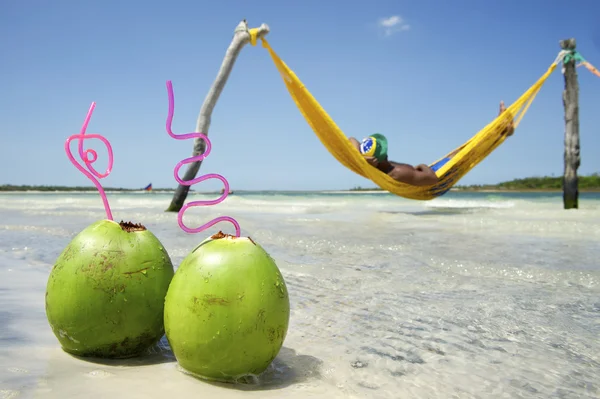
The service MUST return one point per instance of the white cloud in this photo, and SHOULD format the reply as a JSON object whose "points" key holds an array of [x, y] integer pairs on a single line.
{"points": [[393, 24]]}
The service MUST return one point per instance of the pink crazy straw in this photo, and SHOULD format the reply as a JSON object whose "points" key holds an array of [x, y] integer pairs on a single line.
{"points": [[197, 158], [90, 156]]}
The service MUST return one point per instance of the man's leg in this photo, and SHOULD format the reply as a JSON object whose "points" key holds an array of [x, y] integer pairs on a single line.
{"points": [[510, 129]]}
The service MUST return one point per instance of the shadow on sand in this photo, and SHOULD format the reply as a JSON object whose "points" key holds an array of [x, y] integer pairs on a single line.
{"points": [[158, 353], [287, 369], [434, 212]]}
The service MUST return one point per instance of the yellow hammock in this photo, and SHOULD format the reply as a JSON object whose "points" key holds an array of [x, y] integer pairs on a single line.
{"points": [[465, 158]]}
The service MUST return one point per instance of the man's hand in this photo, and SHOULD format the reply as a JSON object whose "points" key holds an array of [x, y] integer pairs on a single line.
{"points": [[355, 143], [372, 161]]}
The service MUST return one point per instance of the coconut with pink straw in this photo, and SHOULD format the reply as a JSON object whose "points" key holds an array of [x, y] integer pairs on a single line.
{"points": [[227, 309], [105, 293]]}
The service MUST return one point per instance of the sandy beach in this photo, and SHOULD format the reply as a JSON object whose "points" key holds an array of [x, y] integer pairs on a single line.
{"points": [[472, 295]]}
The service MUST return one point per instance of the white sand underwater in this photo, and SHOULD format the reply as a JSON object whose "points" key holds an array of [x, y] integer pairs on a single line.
{"points": [[468, 296]]}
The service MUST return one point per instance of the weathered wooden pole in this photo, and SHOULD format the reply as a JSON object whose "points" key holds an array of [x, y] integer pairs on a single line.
{"points": [[241, 37], [571, 105]]}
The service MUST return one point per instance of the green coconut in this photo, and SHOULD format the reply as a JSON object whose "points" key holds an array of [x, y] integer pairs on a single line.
{"points": [[227, 309], [105, 294]]}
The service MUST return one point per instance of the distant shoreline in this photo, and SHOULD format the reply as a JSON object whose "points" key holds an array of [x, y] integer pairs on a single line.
{"points": [[40, 188], [522, 190], [488, 190], [82, 190], [544, 184]]}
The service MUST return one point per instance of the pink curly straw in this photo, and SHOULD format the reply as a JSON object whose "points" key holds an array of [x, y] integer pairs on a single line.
{"points": [[90, 156], [197, 158]]}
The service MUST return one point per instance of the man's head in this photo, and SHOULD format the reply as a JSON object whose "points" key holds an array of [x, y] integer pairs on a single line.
{"points": [[375, 146]]}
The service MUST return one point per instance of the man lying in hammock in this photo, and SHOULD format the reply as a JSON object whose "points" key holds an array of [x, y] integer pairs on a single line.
{"points": [[375, 150]]}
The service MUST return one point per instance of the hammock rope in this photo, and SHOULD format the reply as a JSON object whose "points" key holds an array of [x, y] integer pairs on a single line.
{"points": [[575, 56]]}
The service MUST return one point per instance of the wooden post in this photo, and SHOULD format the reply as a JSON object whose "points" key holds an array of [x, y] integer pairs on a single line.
{"points": [[241, 37], [571, 105]]}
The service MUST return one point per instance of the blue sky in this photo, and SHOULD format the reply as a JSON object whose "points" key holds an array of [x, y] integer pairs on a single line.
{"points": [[428, 83]]}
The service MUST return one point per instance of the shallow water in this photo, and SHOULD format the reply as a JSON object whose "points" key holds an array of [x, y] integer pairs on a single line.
{"points": [[472, 295]]}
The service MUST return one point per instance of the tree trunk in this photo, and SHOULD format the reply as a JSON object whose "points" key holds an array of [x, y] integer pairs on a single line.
{"points": [[571, 105], [241, 37]]}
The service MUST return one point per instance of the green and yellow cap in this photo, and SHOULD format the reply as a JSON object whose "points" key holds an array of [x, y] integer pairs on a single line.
{"points": [[375, 146]]}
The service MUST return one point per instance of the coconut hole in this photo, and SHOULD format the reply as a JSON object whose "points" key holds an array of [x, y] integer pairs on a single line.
{"points": [[130, 227]]}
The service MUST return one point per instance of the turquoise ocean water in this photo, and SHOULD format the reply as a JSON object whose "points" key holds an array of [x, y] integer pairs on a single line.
{"points": [[472, 295]]}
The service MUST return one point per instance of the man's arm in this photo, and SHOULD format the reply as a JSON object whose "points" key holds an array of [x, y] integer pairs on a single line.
{"points": [[421, 175]]}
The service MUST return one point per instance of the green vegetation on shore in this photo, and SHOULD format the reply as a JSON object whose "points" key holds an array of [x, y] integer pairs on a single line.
{"points": [[586, 183], [591, 182]]}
